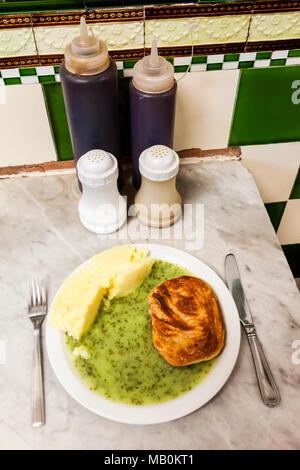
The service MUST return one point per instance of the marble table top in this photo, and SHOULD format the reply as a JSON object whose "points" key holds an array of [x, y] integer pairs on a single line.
{"points": [[41, 233]]}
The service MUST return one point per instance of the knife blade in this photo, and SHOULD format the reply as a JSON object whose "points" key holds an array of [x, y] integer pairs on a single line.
{"points": [[267, 385]]}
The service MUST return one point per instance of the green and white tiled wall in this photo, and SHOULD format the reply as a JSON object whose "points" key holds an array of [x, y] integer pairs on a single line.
{"points": [[232, 97]]}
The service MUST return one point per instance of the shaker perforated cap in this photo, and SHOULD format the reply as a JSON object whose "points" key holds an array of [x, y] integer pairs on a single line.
{"points": [[97, 168], [159, 163]]}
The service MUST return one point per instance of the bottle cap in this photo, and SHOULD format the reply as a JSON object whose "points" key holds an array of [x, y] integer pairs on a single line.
{"points": [[86, 55], [97, 167], [159, 163], [153, 73]]}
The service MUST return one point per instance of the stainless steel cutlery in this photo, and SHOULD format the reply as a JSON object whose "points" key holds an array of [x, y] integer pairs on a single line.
{"points": [[268, 388], [37, 310]]}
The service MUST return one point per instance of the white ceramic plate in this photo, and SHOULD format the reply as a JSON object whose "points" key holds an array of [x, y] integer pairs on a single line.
{"points": [[173, 409]]}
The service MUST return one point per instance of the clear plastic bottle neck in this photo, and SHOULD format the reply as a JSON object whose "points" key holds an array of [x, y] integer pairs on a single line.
{"points": [[153, 73], [86, 55]]}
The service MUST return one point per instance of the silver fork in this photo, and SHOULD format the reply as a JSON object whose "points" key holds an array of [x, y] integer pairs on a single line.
{"points": [[37, 310]]}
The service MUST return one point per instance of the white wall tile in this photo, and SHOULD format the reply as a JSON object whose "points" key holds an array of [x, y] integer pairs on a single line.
{"points": [[262, 63], [232, 64], [198, 67], [280, 54], [245, 56], [204, 107], [289, 228], [182, 60], [10, 73], [45, 70], [215, 59], [25, 135], [293, 61], [274, 168]]}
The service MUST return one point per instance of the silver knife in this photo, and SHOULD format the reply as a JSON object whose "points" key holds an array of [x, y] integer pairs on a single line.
{"points": [[266, 382]]}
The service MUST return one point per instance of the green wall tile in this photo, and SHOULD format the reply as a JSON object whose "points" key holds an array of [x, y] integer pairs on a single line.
{"points": [[295, 194], [180, 68], [46, 78], [58, 120], [12, 81], [264, 111], [263, 55], [214, 66], [27, 71], [294, 53], [129, 64], [231, 57], [292, 253], [277, 62], [246, 64], [275, 211], [199, 59]]}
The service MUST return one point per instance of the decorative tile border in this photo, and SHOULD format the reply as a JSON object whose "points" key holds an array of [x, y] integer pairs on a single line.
{"points": [[218, 9], [29, 76], [57, 18], [15, 21], [92, 16], [24, 61], [149, 12], [237, 61], [50, 73], [171, 52], [228, 48]]}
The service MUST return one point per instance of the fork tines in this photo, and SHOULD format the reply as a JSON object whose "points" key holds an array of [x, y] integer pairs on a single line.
{"points": [[37, 294]]}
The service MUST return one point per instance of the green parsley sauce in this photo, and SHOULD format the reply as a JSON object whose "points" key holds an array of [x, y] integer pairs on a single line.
{"points": [[119, 360]]}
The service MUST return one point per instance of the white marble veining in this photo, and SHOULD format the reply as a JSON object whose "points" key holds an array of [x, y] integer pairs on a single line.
{"points": [[41, 233]]}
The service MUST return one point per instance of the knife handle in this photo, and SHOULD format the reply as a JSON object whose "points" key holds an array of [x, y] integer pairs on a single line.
{"points": [[267, 385]]}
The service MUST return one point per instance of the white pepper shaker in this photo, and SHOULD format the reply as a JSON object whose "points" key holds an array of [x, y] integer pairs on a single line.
{"points": [[158, 202], [102, 209]]}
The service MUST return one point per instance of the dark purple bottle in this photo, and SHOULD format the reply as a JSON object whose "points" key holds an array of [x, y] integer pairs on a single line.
{"points": [[90, 88], [152, 106]]}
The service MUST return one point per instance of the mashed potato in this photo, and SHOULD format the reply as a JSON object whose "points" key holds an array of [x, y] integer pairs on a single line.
{"points": [[112, 273]]}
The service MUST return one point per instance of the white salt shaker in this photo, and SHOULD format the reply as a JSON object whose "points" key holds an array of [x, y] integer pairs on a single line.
{"points": [[101, 208]]}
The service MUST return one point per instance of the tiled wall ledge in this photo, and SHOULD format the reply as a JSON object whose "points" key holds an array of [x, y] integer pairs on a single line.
{"points": [[186, 156]]}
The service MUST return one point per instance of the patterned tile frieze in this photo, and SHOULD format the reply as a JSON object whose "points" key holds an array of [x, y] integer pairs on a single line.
{"points": [[275, 26], [127, 35], [17, 42], [221, 29]]}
